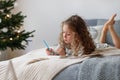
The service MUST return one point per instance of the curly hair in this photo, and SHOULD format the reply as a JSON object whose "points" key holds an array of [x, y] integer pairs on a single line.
{"points": [[82, 38]]}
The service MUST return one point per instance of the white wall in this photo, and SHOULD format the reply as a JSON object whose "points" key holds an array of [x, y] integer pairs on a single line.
{"points": [[45, 16]]}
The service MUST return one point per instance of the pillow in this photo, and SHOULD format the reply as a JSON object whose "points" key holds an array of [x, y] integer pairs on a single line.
{"points": [[95, 32], [101, 21], [91, 22]]}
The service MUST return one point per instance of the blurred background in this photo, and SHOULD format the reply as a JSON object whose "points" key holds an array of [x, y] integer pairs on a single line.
{"points": [[45, 16]]}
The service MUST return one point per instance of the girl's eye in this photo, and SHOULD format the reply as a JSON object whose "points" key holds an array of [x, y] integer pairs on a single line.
{"points": [[68, 34]]}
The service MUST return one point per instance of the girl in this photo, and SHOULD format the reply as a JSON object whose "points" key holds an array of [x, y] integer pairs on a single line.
{"points": [[109, 26], [74, 38]]}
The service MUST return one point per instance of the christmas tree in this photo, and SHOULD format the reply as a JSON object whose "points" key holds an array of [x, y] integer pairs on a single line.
{"points": [[12, 34]]}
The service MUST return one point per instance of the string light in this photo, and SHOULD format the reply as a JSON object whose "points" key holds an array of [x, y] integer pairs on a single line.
{"points": [[11, 39], [18, 36], [8, 15], [21, 27], [0, 20], [18, 31]]}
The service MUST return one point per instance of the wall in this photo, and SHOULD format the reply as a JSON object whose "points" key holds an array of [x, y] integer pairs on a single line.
{"points": [[45, 16]]}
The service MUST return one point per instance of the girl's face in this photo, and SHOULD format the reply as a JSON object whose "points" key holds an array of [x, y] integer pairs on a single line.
{"points": [[68, 34]]}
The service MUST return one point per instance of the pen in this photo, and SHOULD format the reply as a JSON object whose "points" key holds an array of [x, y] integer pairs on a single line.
{"points": [[46, 44]]}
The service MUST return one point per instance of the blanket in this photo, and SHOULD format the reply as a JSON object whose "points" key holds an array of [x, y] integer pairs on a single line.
{"points": [[48, 66], [95, 68], [107, 68], [46, 69]]}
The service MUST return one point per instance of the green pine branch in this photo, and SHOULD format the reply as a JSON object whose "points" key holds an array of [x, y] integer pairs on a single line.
{"points": [[10, 34]]}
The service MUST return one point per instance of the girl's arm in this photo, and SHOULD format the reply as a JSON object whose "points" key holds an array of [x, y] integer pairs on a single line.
{"points": [[115, 37], [61, 51], [109, 26], [103, 34], [110, 22]]}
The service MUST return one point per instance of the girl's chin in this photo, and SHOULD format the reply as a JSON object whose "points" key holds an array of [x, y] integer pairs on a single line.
{"points": [[67, 42]]}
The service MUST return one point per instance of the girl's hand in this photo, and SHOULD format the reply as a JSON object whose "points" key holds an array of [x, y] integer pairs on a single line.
{"points": [[61, 51], [109, 23], [111, 20], [49, 51]]}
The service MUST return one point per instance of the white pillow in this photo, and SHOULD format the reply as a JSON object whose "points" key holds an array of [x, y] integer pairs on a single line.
{"points": [[95, 32]]}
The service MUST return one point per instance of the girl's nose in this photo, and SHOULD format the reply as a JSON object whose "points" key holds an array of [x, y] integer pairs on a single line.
{"points": [[65, 36]]}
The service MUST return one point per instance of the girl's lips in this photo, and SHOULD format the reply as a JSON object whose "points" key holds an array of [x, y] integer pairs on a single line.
{"points": [[65, 40]]}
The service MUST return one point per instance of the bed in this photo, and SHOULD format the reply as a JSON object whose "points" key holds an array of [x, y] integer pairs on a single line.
{"points": [[56, 68], [36, 65]]}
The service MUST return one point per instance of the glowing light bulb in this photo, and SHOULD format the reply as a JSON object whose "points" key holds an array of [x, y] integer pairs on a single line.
{"points": [[18, 31], [8, 15], [11, 39]]}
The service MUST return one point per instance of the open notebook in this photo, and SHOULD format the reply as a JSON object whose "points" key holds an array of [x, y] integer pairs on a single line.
{"points": [[10, 71]]}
